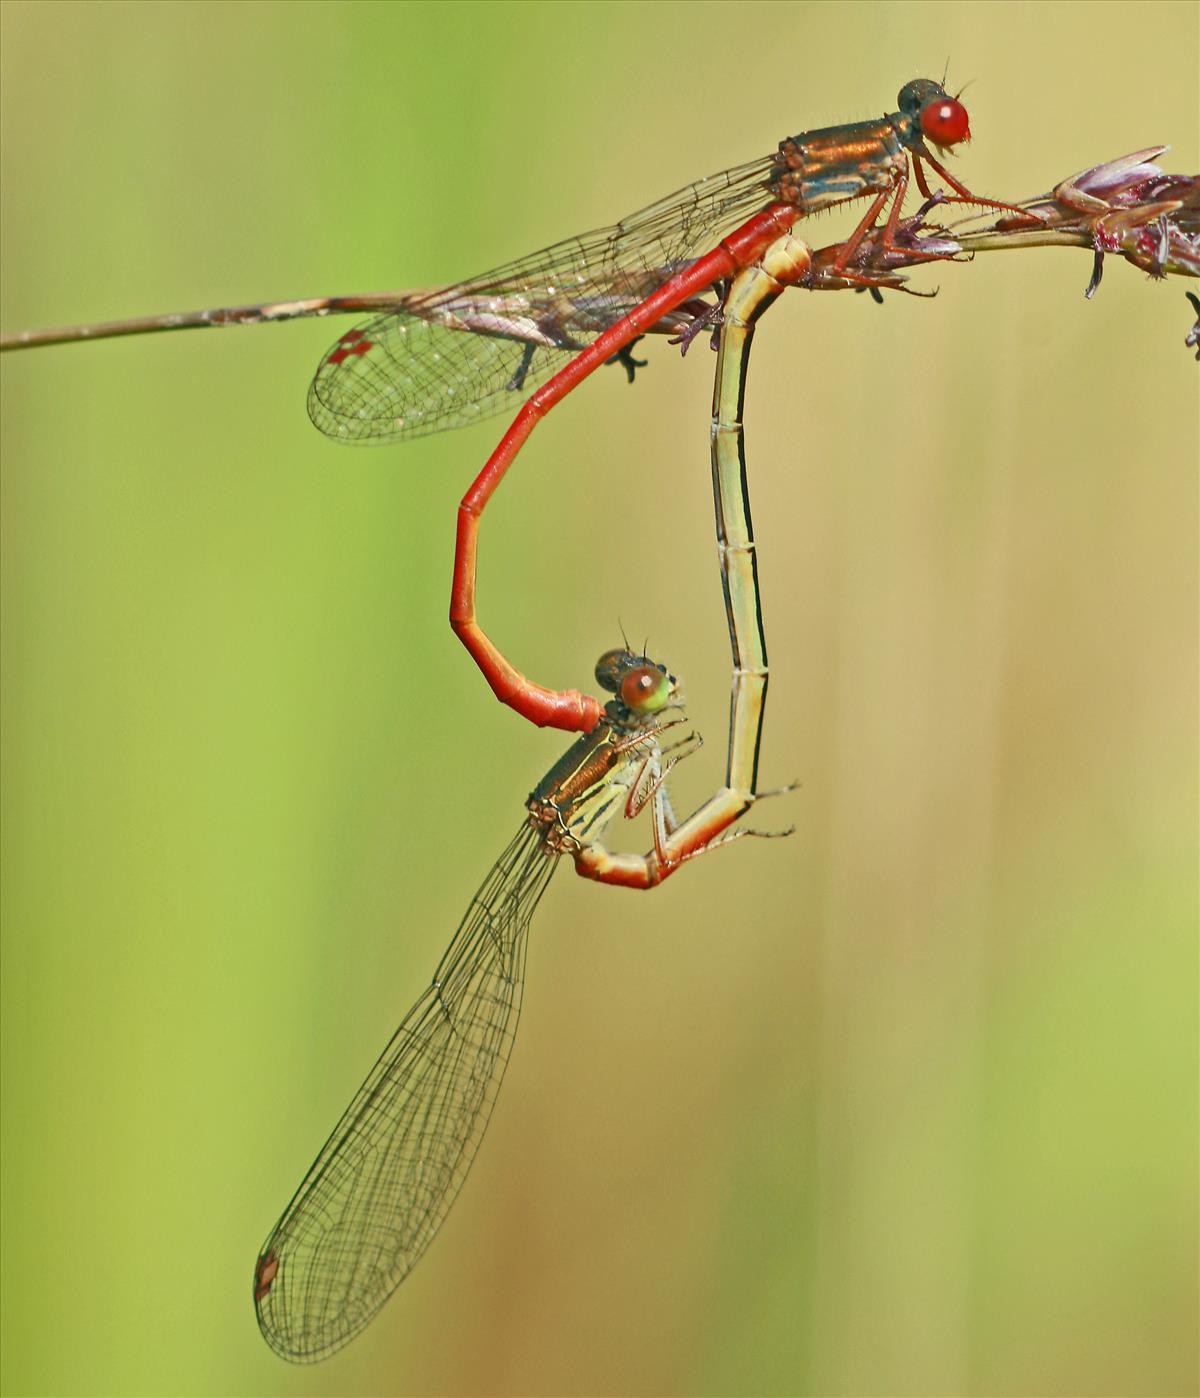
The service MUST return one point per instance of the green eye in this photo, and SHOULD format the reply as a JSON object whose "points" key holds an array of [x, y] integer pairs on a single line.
{"points": [[645, 690]]}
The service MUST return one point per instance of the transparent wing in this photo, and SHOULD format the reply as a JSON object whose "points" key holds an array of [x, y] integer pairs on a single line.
{"points": [[464, 352], [387, 1176], [406, 377]]}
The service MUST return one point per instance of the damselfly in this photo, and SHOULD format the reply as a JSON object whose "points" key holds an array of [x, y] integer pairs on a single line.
{"points": [[386, 1178], [438, 359]]}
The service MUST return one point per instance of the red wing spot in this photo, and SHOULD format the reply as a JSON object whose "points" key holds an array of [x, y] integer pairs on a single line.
{"points": [[348, 349], [350, 336], [264, 1275]]}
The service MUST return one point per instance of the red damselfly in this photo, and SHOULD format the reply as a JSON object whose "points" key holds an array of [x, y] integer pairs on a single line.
{"points": [[437, 359]]}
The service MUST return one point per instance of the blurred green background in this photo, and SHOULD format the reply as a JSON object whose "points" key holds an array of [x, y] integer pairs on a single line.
{"points": [[903, 1105]]}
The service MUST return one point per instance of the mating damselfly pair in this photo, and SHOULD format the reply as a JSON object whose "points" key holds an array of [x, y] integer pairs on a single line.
{"points": [[427, 360]]}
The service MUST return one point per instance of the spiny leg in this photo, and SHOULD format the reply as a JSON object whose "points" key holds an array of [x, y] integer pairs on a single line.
{"points": [[962, 195]]}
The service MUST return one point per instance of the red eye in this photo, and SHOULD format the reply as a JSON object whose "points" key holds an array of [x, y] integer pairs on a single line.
{"points": [[945, 122]]}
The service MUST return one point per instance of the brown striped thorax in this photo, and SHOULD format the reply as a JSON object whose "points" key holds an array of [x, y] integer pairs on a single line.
{"points": [[817, 169], [580, 794]]}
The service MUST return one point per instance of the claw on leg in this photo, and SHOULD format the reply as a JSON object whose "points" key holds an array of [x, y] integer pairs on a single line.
{"points": [[709, 318], [624, 357]]}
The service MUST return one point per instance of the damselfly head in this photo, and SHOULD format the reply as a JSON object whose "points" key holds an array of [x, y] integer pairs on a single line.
{"points": [[642, 685], [941, 118]]}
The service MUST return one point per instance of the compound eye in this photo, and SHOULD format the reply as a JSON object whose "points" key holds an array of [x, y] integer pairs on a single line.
{"points": [[610, 668], [645, 690], [909, 97], [945, 122]]}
